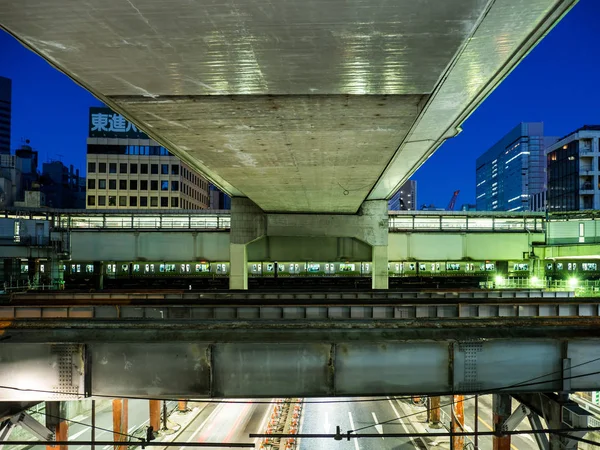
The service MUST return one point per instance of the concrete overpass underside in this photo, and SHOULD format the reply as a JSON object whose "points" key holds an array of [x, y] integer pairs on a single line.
{"points": [[302, 107]]}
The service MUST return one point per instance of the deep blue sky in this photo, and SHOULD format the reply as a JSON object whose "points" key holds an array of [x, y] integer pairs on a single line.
{"points": [[557, 83]]}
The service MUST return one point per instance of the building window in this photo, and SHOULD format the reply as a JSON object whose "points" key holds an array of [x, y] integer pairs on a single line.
{"points": [[164, 185], [112, 167], [132, 201], [123, 168], [154, 185], [132, 168], [143, 185], [154, 201], [101, 167], [174, 169], [91, 183], [144, 168], [174, 185], [91, 200], [164, 202], [164, 169], [112, 184], [112, 200], [143, 201], [92, 167], [101, 184], [123, 184], [101, 200], [154, 169], [122, 200], [174, 202], [133, 185]]}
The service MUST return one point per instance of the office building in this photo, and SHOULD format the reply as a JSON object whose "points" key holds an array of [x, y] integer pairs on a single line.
{"points": [[405, 199], [128, 170], [573, 171], [218, 199], [5, 114], [62, 186], [512, 169]]}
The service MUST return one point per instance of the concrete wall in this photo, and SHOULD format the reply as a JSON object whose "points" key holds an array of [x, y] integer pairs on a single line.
{"points": [[214, 246], [568, 231], [149, 246], [308, 249], [457, 246]]}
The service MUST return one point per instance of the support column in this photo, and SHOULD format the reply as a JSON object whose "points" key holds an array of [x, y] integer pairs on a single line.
{"points": [[501, 410], [379, 274], [56, 413], [33, 270], [458, 422], [434, 417], [238, 259], [155, 414], [120, 422], [182, 406]]}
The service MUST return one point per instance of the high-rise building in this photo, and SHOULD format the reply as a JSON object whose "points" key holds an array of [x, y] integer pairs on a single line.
{"points": [[512, 170], [5, 114], [219, 199], [127, 169], [574, 172], [405, 199]]}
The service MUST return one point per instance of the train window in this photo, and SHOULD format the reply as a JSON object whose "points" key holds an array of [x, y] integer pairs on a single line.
{"points": [[422, 266], [188, 268], [73, 268], [170, 267], [63, 267], [365, 267], [559, 266], [280, 267], [349, 267], [296, 267], [149, 268], [589, 266], [42, 268], [219, 268], [314, 267], [269, 267], [520, 267], [185, 268], [489, 267], [411, 266], [453, 267], [572, 266], [24, 268], [111, 268], [124, 268], [136, 268], [202, 268], [161, 268], [549, 266], [89, 268]]}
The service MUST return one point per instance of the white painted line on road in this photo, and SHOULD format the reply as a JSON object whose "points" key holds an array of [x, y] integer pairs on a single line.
{"points": [[352, 427], [326, 424], [402, 423], [76, 435], [210, 417], [378, 427]]}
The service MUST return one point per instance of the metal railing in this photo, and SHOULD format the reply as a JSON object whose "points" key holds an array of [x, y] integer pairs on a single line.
{"points": [[580, 288]]}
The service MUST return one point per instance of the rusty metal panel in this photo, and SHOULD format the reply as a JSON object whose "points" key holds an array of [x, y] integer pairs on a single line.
{"points": [[150, 370], [513, 364], [41, 371], [271, 370], [391, 368]]}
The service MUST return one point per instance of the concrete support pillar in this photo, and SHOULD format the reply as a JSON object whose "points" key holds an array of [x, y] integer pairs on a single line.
{"points": [[501, 410], [434, 415], [458, 422], [56, 413], [120, 422], [33, 270], [238, 260], [379, 276], [155, 414], [182, 405], [56, 275]]}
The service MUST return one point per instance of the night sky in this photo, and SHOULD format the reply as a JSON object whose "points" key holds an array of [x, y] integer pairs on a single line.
{"points": [[557, 83]]}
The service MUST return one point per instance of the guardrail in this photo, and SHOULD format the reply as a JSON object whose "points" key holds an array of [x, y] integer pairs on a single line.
{"points": [[528, 308]]}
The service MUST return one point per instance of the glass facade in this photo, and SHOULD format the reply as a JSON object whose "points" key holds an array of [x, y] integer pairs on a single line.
{"points": [[512, 170], [563, 177]]}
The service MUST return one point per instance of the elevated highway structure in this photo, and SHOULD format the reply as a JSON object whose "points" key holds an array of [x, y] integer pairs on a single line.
{"points": [[309, 116]]}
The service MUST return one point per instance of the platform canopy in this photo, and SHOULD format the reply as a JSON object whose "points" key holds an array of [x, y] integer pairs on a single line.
{"points": [[300, 105]]}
